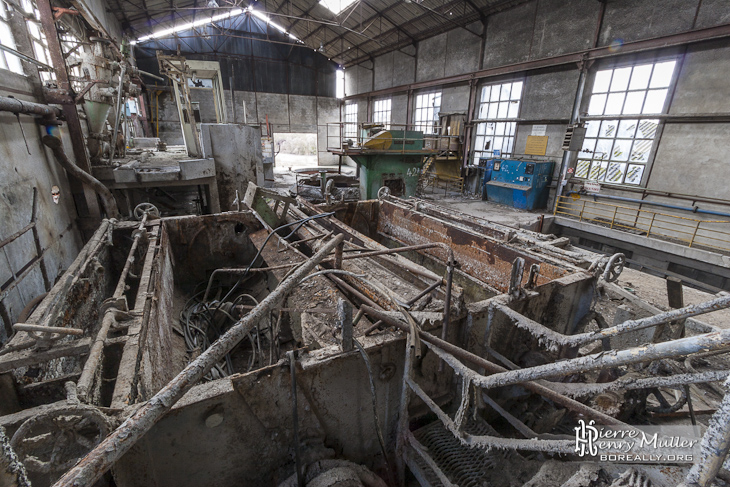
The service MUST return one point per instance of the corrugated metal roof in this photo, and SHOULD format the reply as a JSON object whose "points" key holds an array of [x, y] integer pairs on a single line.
{"points": [[363, 30]]}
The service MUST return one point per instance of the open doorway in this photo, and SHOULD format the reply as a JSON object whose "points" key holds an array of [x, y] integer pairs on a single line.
{"points": [[295, 150]]}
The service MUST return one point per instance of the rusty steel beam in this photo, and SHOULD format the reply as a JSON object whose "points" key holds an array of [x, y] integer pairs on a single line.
{"points": [[69, 109], [494, 368], [100, 459], [554, 339], [646, 353]]}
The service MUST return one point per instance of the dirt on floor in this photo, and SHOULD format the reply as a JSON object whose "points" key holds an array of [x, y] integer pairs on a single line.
{"points": [[653, 290]]}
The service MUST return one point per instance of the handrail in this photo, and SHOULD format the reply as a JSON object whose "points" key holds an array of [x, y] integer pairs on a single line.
{"points": [[693, 232]]}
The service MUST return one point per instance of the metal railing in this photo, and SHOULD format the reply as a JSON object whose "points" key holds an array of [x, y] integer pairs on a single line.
{"points": [[351, 137], [692, 232]]}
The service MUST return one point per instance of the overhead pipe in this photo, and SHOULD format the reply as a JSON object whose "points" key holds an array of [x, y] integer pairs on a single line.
{"points": [[13, 105], [107, 199], [693, 209]]}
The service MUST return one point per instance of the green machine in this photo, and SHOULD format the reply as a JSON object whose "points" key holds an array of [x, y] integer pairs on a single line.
{"points": [[389, 158]]}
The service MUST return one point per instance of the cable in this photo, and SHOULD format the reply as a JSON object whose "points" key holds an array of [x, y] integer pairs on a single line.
{"points": [[378, 429]]}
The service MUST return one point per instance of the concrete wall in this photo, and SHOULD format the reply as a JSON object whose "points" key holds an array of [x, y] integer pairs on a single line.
{"points": [[23, 169], [286, 114], [689, 157]]}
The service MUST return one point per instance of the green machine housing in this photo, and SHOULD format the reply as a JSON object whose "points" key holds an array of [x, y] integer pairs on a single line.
{"points": [[398, 167]]}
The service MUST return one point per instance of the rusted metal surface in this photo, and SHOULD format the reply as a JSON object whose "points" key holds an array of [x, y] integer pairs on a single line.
{"points": [[479, 256], [553, 339], [70, 113], [713, 449], [494, 368], [98, 461]]}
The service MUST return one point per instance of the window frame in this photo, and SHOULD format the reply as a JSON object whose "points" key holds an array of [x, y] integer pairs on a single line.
{"points": [[585, 161], [38, 40], [507, 123], [429, 126], [382, 112], [8, 61], [350, 126]]}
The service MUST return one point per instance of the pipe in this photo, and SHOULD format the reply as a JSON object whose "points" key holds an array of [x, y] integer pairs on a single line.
{"points": [[150, 75], [494, 368], [117, 114], [93, 466], [295, 415], [693, 209], [552, 337], [107, 199], [713, 449], [13, 105]]}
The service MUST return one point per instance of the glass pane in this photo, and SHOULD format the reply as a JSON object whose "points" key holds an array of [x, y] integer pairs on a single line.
{"points": [[640, 150], [581, 169], [662, 74], [615, 103], [487, 143], [596, 105], [490, 128], [620, 81], [634, 101], [2, 61], [627, 128], [598, 171], [589, 145], [492, 113], [33, 29], [633, 175], [485, 93], [514, 108], [640, 77], [483, 110], [647, 129], [608, 128], [504, 91], [512, 126], [602, 82], [503, 109], [495, 93], [516, 90], [498, 142], [615, 172], [621, 150], [654, 101], [510, 145], [603, 149], [499, 129], [480, 129], [592, 128]]}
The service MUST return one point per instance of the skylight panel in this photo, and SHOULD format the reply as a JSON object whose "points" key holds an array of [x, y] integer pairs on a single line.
{"points": [[336, 6]]}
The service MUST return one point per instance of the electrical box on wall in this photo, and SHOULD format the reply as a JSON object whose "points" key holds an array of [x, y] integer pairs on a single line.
{"points": [[574, 136]]}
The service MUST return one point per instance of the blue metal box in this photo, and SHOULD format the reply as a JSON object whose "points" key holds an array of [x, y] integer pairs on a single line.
{"points": [[520, 184]]}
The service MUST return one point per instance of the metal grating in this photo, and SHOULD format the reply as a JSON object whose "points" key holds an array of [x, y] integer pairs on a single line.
{"points": [[464, 466]]}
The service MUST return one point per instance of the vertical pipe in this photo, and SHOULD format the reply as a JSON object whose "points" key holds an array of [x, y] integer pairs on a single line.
{"points": [[295, 415]]}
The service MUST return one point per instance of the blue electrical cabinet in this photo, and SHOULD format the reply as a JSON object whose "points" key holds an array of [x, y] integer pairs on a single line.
{"points": [[520, 184]]}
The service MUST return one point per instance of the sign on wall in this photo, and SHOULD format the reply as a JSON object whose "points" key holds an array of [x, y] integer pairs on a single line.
{"points": [[536, 145], [592, 187]]}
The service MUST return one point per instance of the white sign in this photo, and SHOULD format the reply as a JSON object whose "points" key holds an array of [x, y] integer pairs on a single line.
{"points": [[592, 187], [539, 130]]}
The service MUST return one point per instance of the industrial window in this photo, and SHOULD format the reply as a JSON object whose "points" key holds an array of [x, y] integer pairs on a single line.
{"points": [[617, 151], [336, 6], [7, 60], [38, 38], [495, 133], [381, 112], [351, 120], [428, 106]]}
